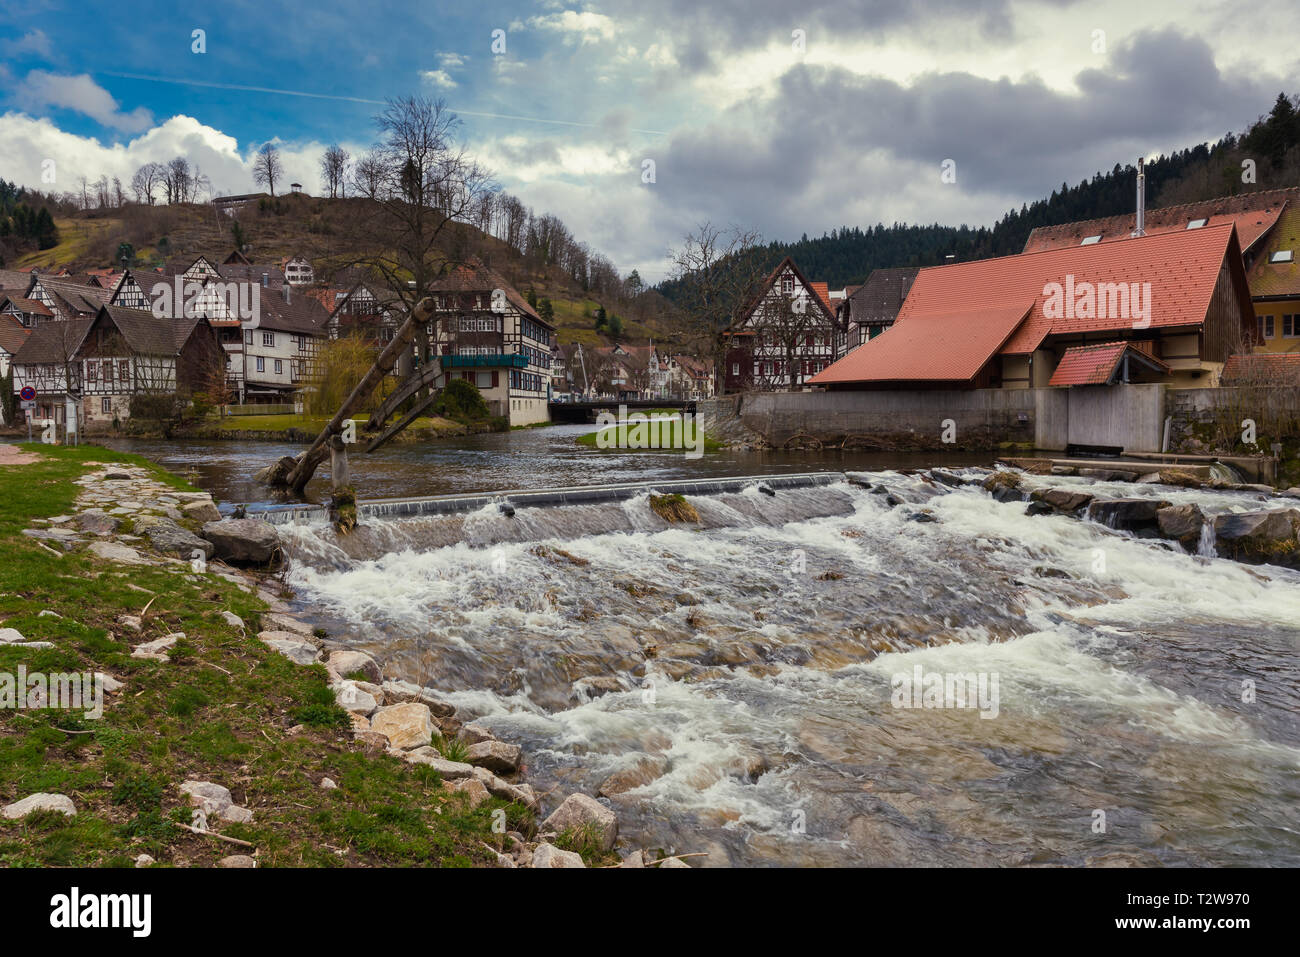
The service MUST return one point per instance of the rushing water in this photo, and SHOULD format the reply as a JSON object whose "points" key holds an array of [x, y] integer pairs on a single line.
{"points": [[746, 669]]}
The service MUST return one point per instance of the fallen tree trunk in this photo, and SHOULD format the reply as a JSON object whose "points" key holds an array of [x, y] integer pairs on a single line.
{"points": [[295, 473]]}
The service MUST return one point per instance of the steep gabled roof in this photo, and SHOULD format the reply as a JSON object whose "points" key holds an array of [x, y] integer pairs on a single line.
{"points": [[148, 334], [1097, 364], [301, 315], [75, 298], [53, 343], [880, 298], [475, 277], [1252, 213], [12, 334], [958, 317], [820, 297]]}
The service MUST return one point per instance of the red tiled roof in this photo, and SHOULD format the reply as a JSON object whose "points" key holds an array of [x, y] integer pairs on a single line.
{"points": [[990, 296], [823, 292], [1263, 368], [1252, 213], [1096, 364]]}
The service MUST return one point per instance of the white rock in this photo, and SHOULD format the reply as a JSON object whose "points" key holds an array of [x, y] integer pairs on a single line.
{"points": [[157, 648], [291, 646], [10, 635], [212, 798], [496, 756], [675, 862], [328, 784], [406, 725], [111, 684], [474, 733], [236, 815], [111, 551], [472, 788], [351, 698], [580, 811], [233, 620], [134, 622], [49, 614], [40, 802], [237, 860], [144, 860], [347, 662], [288, 623], [450, 770], [548, 855]]}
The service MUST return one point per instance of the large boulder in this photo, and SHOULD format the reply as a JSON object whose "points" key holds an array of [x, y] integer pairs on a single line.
{"points": [[1063, 499], [548, 855], [581, 812], [40, 802], [201, 511], [1258, 537], [1132, 514], [346, 662], [168, 538], [406, 725], [243, 540], [496, 756], [1183, 523], [291, 646]]}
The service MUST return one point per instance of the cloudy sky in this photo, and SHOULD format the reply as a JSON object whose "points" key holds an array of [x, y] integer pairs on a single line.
{"points": [[790, 118]]}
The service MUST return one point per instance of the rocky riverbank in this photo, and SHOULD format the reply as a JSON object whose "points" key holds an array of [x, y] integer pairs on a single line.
{"points": [[1247, 532], [125, 516]]}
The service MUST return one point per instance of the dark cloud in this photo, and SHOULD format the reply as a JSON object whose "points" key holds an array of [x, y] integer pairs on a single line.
{"points": [[773, 158]]}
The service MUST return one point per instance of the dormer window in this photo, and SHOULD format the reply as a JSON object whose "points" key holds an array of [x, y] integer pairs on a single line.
{"points": [[1283, 256], [1196, 223], [1091, 240]]}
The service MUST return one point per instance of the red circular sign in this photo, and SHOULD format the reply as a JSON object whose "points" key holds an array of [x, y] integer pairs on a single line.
{"points": [[27, 394]]}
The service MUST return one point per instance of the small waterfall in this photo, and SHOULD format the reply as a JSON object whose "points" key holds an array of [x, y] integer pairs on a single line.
{"points": [[1225, 473], [1205, 548]]}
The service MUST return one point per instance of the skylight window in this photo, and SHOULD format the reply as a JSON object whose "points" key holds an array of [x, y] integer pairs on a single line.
{"points": [[1196, 223], [1283, 256], [1090, 240]]}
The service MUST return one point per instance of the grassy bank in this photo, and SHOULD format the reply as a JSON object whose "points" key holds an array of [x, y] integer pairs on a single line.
{"points": [[219, 709], [659, 434]]}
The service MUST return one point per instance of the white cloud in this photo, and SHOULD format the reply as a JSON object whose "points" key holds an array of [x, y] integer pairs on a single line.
{"points": [[450, 61], [439, 78], [583, 28], [26, 142], [34, 41], [41, 90]]}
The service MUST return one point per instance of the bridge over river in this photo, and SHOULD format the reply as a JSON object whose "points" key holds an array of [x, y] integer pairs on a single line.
{"points": [[577, 412]]}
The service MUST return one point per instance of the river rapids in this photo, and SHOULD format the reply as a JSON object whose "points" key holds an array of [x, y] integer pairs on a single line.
{"points": [[733, 686]]}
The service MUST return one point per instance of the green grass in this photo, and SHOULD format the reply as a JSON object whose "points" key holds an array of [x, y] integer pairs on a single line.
{"points": [[314, 423], [218, 710], [617, 437]]}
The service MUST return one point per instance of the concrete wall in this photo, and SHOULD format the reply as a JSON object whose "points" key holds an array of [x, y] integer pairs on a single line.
{"points": [[903, 419], [1129, 416]]}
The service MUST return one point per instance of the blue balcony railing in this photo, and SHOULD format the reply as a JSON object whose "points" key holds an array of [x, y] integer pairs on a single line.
{"points": [[496, 360]]}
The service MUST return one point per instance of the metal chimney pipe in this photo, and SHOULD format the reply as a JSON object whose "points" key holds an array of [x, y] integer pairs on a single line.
{"points": [[1141, 199]]}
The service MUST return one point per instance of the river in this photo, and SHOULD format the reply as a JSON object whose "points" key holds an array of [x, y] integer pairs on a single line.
{"points": [[740, 676]]}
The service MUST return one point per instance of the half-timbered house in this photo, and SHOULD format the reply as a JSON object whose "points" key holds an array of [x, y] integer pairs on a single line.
{"points": [[786, 335], [484, 331]]}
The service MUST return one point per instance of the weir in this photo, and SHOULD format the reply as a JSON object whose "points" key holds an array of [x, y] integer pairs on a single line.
{"points": [[534, 498]]}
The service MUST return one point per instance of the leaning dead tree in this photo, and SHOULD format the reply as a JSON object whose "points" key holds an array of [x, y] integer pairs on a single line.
{"points": [[294, 472]]}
